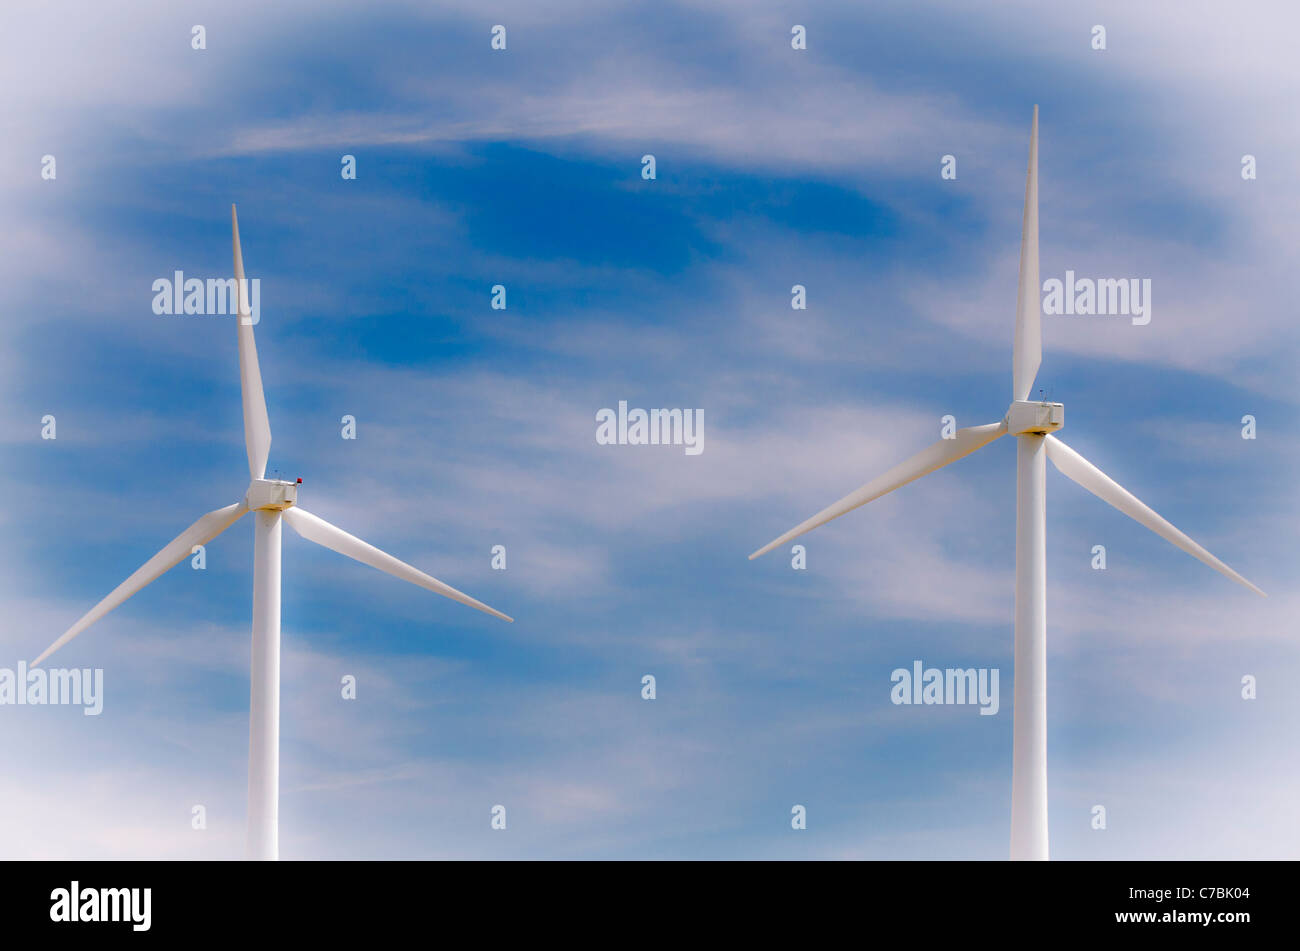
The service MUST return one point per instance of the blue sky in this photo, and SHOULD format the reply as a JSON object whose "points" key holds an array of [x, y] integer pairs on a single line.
{"points": [[476, 427]]}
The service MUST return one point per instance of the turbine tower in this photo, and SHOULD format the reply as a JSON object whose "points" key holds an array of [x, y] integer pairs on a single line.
{"points": [[1032, 423], [272, 502]]}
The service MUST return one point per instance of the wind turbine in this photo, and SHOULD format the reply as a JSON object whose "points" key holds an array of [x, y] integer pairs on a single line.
{"points": [[271, 501], [1033, 424]]}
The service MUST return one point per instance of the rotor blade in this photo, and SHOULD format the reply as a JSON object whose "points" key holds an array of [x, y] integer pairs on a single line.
{"points": [[924, 462], [1027, 351], [1108, 490], [257, 427], [316, 529], [200, 533]]}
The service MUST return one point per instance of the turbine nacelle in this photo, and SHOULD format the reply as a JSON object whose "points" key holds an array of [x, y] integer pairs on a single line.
{"points": [[270, 495], [1025, 417]]}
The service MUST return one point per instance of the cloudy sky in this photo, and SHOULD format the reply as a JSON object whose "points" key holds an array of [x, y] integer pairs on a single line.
{"points": [[476, 427]]}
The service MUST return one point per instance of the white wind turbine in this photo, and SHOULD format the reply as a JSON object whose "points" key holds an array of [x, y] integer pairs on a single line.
{"points": [[270, 500], [1032, 422]]}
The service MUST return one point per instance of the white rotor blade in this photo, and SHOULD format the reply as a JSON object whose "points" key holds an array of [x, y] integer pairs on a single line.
{"points": [[1027, 352], [316, 529], [1108, 490], [924, 462], [257, 427], [178, 549]]}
